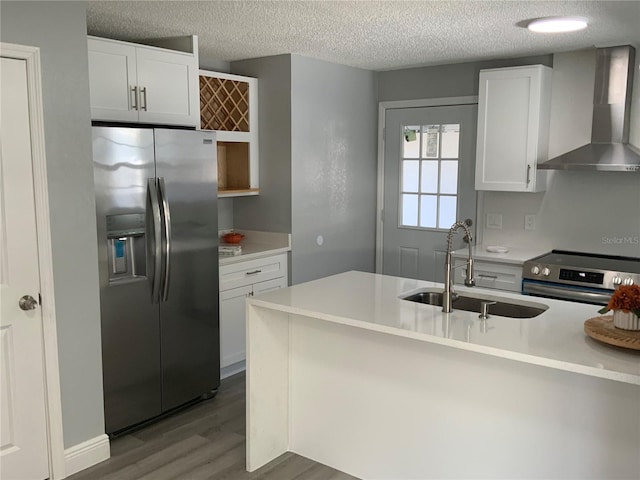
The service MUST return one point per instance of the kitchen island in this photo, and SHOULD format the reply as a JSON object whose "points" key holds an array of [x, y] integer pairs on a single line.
{"points": [[344, 371]]}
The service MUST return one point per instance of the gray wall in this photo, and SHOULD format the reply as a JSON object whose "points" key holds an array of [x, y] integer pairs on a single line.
{"points": [[333, 168], [455, 80], [59, 29], [271, 210], [225, 213]]}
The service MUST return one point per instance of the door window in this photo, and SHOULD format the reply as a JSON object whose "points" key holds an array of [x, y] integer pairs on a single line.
{"points": [[429, 176]]}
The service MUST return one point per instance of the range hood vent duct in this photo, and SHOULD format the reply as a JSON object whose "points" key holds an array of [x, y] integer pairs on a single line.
{"points": [[609, 149]]}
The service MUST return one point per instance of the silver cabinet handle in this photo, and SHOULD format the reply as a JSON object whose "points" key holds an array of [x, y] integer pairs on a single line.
{"points": [[27, 302], [166, 214], [254, 272], [154, 238], [492, 277], [134, 97], [528, 172], [143, 93]]}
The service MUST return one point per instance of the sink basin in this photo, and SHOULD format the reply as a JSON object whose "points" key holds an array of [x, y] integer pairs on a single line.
{"points": [[511, 308]]}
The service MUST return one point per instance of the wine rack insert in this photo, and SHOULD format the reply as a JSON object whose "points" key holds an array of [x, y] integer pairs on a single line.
{"points": [[224, 104]]}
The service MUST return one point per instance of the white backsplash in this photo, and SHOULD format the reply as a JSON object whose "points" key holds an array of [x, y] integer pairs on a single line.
{"points": [[596, 212]]}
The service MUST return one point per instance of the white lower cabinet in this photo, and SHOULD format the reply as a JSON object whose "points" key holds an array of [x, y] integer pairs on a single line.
{"points": [[501, 276], [237, 282]]}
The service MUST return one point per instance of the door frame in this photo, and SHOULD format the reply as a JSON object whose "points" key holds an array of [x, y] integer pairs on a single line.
{"points": [[382, 113], [53, 403]]}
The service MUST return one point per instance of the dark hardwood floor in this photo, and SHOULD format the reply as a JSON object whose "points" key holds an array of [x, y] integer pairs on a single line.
{"points": [[206, 441]]}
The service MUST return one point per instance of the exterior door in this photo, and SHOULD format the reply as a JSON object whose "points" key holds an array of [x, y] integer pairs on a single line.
{"points": [[429, 167], [23, 434]]}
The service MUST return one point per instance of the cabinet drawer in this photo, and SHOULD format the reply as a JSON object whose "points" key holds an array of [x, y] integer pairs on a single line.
{"points": [[252, 271], [269, 285], [492, 275]]}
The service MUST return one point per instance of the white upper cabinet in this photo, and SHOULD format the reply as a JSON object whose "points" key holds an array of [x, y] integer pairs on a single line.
{"points": [[513, 128], [138, 83]]}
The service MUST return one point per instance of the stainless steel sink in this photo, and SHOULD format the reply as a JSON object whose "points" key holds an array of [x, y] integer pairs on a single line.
{"points": [[511, 308]]}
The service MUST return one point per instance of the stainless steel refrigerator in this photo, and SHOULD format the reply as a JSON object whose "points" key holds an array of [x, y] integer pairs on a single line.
{"points": [[156, 203]]}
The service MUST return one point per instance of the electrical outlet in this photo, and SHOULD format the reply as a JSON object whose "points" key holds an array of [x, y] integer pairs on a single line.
{"points": [[529, 222], [494, 220]]}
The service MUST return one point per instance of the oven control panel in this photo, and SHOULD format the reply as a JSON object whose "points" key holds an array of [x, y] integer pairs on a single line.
{"points": [[586, 277]]}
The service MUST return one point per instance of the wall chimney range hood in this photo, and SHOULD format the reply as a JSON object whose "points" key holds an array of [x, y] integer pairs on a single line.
{"points": [[609, 149]]}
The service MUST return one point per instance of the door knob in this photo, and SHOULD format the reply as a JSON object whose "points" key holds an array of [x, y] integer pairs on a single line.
{"points": [[27, 302]]}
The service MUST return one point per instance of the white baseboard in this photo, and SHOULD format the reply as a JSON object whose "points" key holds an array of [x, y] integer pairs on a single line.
{"points": [[233, 369], [86, 454]]}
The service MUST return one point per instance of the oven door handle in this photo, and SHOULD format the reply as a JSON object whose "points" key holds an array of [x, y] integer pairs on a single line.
{"points": [[579, 295]]}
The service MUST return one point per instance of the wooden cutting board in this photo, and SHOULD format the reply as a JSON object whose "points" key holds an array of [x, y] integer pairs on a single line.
{"points": [[602, 329]]}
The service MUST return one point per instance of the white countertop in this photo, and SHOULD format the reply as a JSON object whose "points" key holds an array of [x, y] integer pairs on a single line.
{"points": [[515, 255], [553, 339], [257, 245]]}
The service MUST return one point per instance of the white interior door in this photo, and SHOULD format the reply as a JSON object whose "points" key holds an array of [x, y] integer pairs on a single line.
{"points": [[23, 436], [429, 168]]}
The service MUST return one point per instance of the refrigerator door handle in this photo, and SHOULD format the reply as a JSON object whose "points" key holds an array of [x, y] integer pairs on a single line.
{"points": [[166, 213], [153, 205]]}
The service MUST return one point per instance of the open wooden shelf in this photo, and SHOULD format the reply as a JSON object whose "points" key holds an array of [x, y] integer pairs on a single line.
{"points": [[243, 192], [234, 169]]}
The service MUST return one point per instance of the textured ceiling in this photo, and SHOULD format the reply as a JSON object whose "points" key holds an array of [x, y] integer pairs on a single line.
{"points": [[376, 35]]}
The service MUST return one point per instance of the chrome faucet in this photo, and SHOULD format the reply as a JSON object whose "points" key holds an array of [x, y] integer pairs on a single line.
{"points": [[447, 296]]}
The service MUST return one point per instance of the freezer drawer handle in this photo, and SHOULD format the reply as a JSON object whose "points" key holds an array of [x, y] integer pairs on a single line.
{"points": [[254, 272]]}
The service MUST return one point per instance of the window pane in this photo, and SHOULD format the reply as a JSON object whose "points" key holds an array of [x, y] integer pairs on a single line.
{"points": [[431, 140], [447, 212], [410, 169], [410, 210], [411, 142], [428, 205], [429, 180], [450, 140], [449, 176]]}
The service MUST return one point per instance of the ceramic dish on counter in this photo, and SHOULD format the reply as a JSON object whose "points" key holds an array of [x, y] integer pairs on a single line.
{"points": [[232, 237], [497, 249]]}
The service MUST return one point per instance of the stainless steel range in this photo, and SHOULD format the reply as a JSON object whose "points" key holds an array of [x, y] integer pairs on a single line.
{"points": [[579, 277]]}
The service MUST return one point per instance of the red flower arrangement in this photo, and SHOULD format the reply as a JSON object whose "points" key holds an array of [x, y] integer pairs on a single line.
{"points": [[625, 298]]}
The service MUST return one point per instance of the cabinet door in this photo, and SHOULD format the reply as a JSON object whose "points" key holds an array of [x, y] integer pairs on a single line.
{"points": [[112, 78], [232, 325], [510, 106], [165, 81], [269, 286]]}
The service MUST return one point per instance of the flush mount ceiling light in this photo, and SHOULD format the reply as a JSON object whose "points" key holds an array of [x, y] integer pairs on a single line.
{"points": [[557, 24]]}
